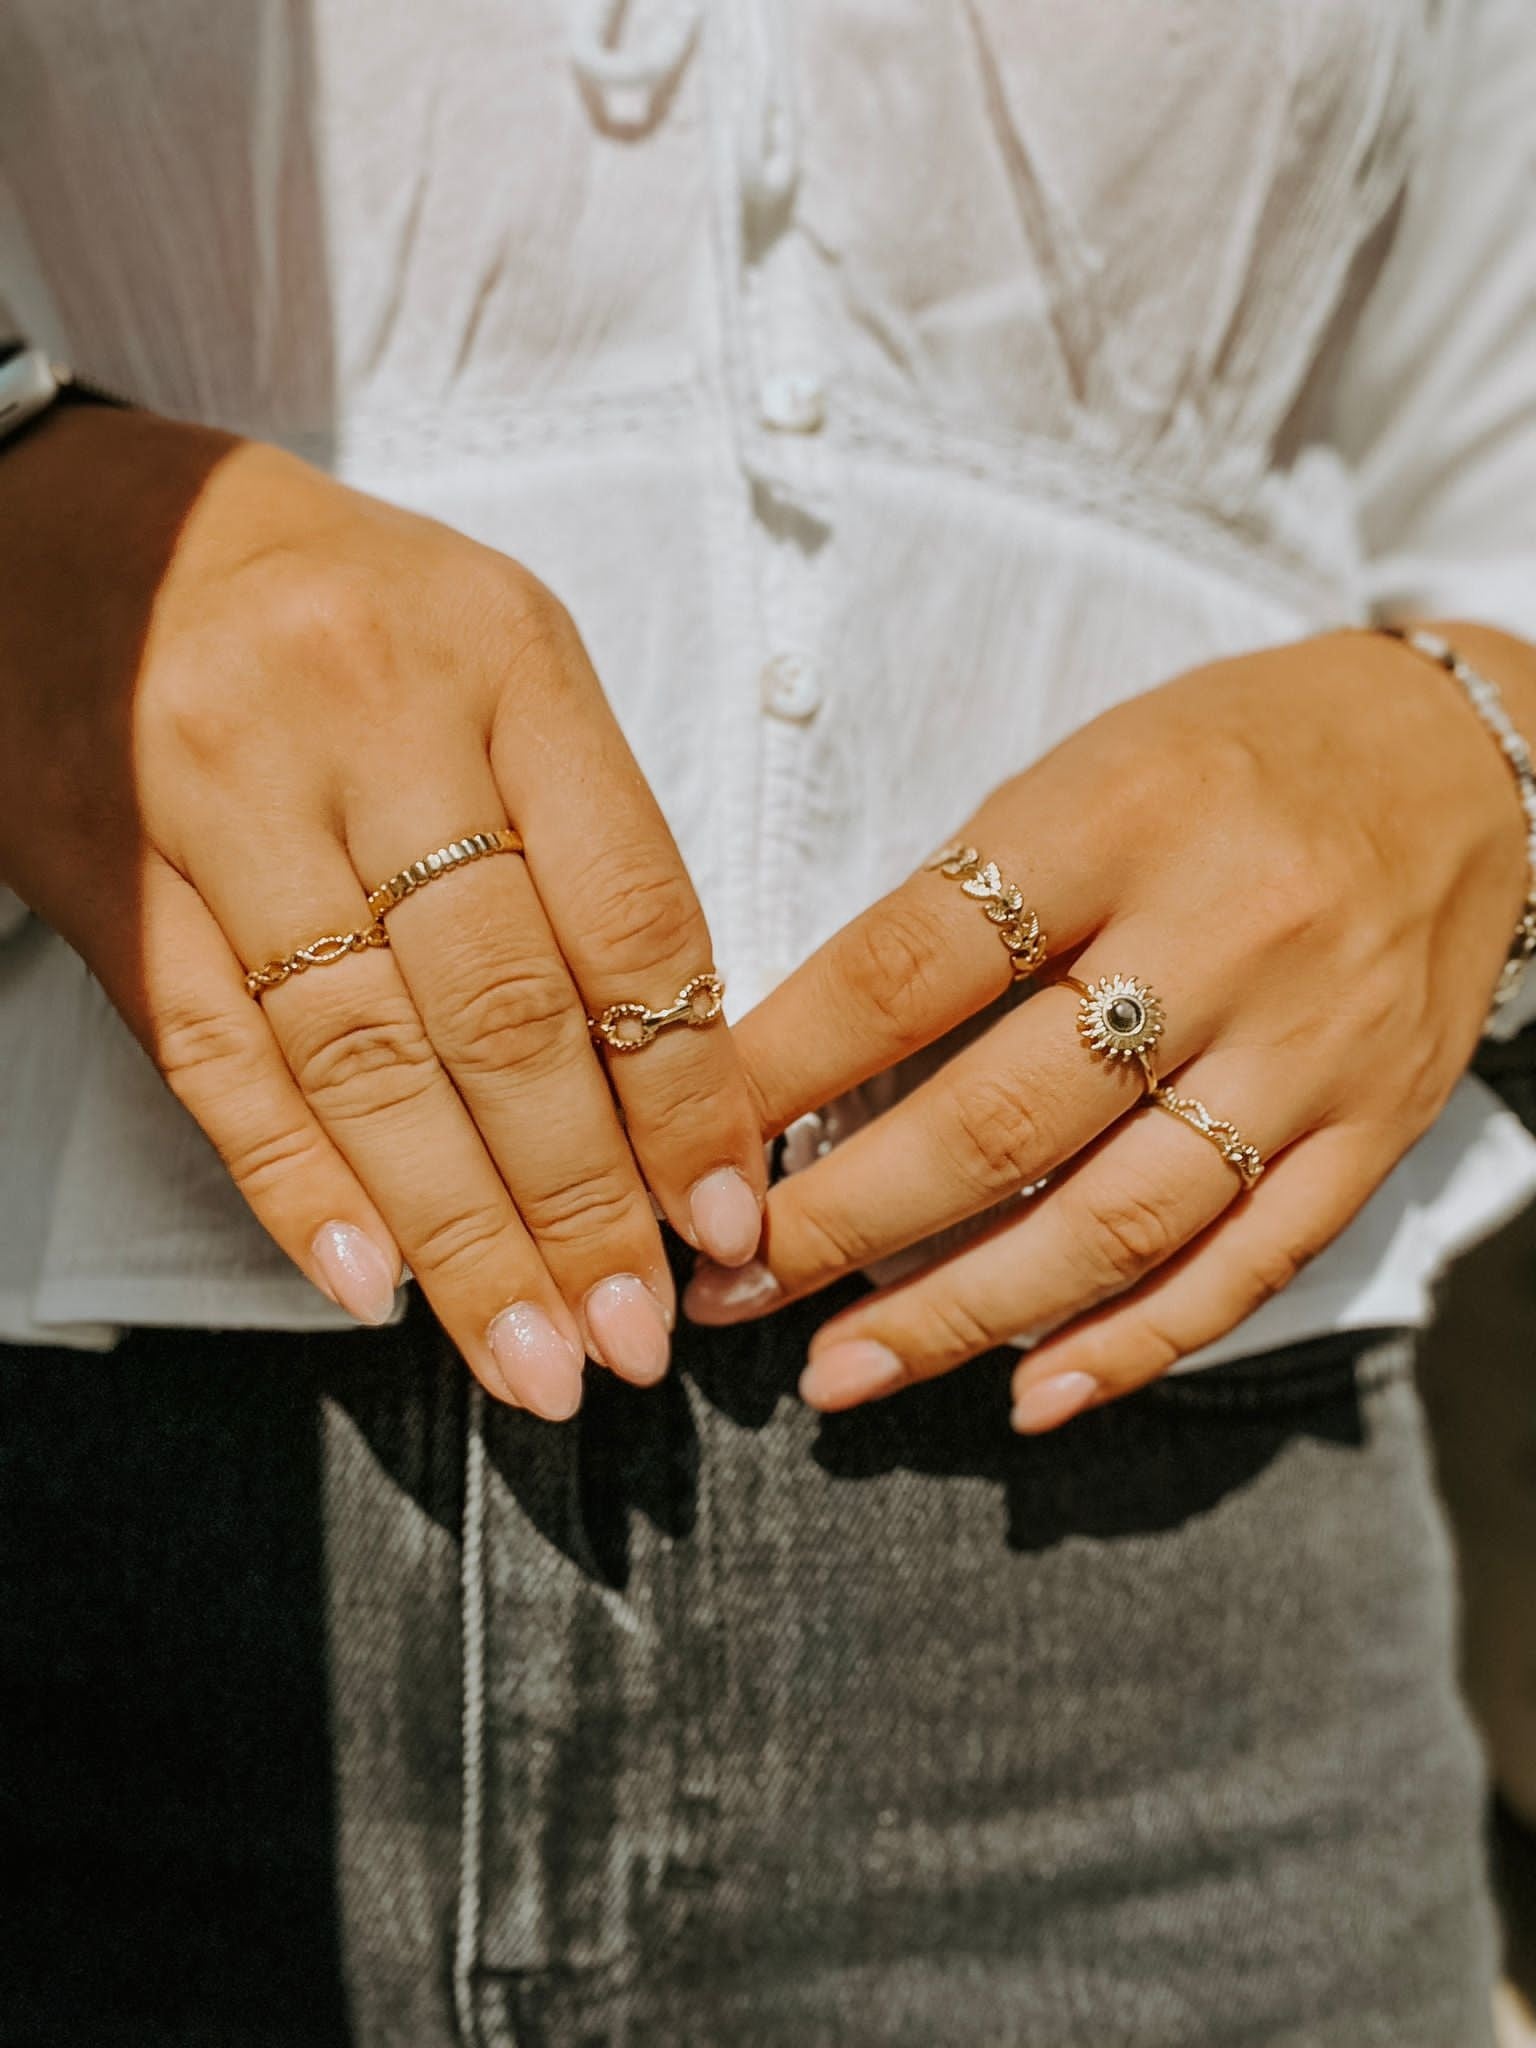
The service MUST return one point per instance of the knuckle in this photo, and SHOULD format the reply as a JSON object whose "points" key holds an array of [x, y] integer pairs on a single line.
{"points": [[350, 1066], [593, 1207], [1122, 1359], [1274, 1267], [890, 961], [952, 1332], [524, 1018], [190, 705], [1127, 1237], [645, 913], [807, 1242], [327, 616], [1294, 893], [994, 1140], [460, 1243], [537, 642], [261, 1162], [200, 1051]]}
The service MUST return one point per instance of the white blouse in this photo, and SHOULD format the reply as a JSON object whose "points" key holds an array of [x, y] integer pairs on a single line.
{"points": [[887, 386]]}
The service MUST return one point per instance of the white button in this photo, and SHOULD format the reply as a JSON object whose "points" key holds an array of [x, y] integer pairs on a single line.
{"points": [[791, 687], [793, 402]]}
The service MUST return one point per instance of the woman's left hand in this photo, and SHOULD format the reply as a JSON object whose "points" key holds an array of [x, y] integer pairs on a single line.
{"points": [[1313, 857]]}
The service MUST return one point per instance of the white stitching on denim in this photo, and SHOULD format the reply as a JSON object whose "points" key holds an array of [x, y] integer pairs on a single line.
{"points": [[466, 1941]]}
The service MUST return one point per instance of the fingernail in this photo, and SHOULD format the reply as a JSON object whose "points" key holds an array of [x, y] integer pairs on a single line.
{"points": [[724, 1294], [1048, 1402], [358, 1272], [542, 1369], [726, 1218], [850, 1372], [629, 1328]]}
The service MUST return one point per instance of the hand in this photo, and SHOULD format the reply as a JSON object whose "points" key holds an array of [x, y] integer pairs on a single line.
{"points": [[1314, 858], [233, 695]]}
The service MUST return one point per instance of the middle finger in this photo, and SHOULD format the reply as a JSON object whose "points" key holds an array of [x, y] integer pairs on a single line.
{"points": [[504, 1016]]}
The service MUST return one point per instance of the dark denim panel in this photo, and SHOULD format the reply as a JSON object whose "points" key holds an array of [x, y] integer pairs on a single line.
{"points": [[167, 1830], [884, 1729], [895, 1729]]}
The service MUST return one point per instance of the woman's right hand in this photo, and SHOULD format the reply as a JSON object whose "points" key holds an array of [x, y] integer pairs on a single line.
{"points": [[234, 695]]}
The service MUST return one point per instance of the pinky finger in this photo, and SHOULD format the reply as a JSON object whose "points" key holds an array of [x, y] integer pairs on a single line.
{"points": [[1256, 1249], [188, 1006]]}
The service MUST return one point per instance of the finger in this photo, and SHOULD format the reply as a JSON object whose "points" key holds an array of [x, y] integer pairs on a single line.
{"points": [[1149, 1188], [357, 1047], [1300, 1206], [186, 1000], [921, 960], [629, 923], [1008, 1109], [506, 1021]]}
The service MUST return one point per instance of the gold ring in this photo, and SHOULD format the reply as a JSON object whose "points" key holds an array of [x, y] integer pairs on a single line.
{"points": [[1017, 926], [1243, 1158], [1120, 1019], [318, 953], [626, 1027], [473, 846]]}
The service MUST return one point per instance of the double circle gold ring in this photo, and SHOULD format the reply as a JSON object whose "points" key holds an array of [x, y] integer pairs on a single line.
{"points": [[626, 1027], [1119, 1019]]}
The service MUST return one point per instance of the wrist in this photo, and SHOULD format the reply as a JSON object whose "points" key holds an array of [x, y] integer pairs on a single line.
{"points": [[1494, 673], [92, 500]]}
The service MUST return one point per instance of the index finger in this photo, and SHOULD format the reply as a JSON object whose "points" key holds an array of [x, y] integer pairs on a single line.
{"points": [[935, 950], [631, 929]]}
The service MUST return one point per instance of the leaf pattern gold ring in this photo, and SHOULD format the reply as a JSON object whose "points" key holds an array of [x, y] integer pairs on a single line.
{"points": [[1017, 926]]}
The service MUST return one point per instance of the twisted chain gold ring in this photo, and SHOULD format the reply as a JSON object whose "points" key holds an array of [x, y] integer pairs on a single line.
{"points": [[1243, 1158], [318, 953], [1119, 1019], [626, 1027], [1017, 926]]}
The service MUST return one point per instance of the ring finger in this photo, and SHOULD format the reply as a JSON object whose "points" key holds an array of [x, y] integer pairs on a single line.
{"points": [[500, 1007]]}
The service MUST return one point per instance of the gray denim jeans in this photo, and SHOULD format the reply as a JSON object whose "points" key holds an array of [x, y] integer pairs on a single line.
{"points": [[340, 1707]]}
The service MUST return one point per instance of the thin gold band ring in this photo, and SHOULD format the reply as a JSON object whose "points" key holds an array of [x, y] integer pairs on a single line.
{"points": [[456, 854]]}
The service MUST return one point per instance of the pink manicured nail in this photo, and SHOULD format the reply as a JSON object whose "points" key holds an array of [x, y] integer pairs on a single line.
{"points": [[724, 1294], [1048, 1402], [359, 1273], [629, 1328], [542, 1369], [726, 1218], [853, 1371]]}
